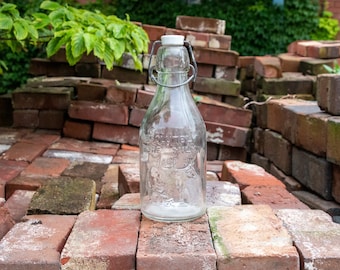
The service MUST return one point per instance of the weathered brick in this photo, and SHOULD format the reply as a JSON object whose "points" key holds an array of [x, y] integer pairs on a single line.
{"points": [[323, 83], [51, 119], [46, 98], [281, 154], [205, 70], [216, 56], [128, 178], [6, 221], [49, 167], [77, 130], [99, 112], [144, 98], [312, 66], [268, 66], [175, 245], [261, 161], [23, 151], [333, 100], [129, 201], [126, 157], [154, 31], [238, 101], [26, 118], [336, 183], [227, 134], [289, 84], [290, 62], [246, 174], [88, 70], [197, 39], [315, 237], [290, 183], [122, 93], [219, 112], [333, 139], [199, 24], [219, 41], [313, 172], [225, 72], [125, 75], [35, 243], [40, 138], [71, 196], [116, 133], [221, 193], [95, 243], [174, 31], [301, 47], [109, 192], [91, 91], [324, 50], [232, 153], [251, 237], [136, 116], [17, 204], [217, 86], [258, 140]]}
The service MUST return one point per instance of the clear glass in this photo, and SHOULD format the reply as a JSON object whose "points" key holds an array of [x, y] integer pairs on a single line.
{"points": [[172, 145]]}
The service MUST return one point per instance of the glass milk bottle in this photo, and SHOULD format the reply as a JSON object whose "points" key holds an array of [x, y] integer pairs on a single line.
{"points": [[173, 140]]}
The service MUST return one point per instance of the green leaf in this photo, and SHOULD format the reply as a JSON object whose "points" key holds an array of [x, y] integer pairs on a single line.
{"points": [[78, 44], [108, 57], [71, 59], [55, 44], [6, 22], [32, 31], [99, 48], [20, 31], [50, 5], [41, 20], [116, 46], [89, 41]]}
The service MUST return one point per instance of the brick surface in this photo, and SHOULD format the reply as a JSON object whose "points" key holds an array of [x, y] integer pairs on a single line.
{"points": [[6, 108], [77, 130], [268, 66], [88, 70], [9, 169], [221, 193], [126, 156], [40, 138], [125, 75], [18, 203], [95, 243], [99, 112], [136, 116], [197, 39], [129, 201], [91, 91], [205, 70], [260, 160], [175, 246], [6, 221], [227, 134], [281, 154], [71, 196], [220, 41], [122, 93], [323, 83], [35, 243], [315, 236], [116, 133], [336, 183], [144, 98], [290, 182], [274, 196], [225, 72], [333, 100], [251, 237], [23, 151], [313, 172], [290, 62], [128, 178], [216, 56], [51, 119], [49, 167], [154, 31], [246, 174], [226, 152], [313, 66], [199, 24], [217, 86], [78, 156], [26, 118], [109, 192], [333, 139]]}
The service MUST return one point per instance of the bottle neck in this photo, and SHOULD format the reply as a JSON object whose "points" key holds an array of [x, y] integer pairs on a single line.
{"points": [[172, 78]]}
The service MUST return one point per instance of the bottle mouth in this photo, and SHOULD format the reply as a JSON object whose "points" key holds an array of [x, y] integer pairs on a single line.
{"points": [[172, 40]]}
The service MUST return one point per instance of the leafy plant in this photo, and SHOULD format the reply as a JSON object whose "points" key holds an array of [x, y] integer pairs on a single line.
{"points": [[328, 27], [335, 69]]}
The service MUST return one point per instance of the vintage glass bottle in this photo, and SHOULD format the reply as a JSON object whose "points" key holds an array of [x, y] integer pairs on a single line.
{"points": [[173, 140]]}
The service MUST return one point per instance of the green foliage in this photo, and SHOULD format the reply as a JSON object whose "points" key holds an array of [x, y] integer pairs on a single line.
{"points": [[327, 29], [335, 69]]}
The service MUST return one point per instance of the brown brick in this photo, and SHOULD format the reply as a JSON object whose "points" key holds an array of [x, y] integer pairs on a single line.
{"points": [[232, 153], [219, 112], [109, 192], [312, 66], [26, 118], [251, 237], [336, 183], [197, 39], [88, 70], [91, 91], [323, 84], [136, 116], [99, 112], [116, 133], [219, 41], [154, 31], [51, 119], [281, 154], [205, 70], [128, 178], [125, 75], [268, 66], [227, 134], [199, 24], [216, 57], [22, 151], [217, 86], [6, 110], [333, 139], [175, 245], [333, 100], [144, 98], [122, 93], [225, 72], [290, 62], [78, 130], [313, 172]]}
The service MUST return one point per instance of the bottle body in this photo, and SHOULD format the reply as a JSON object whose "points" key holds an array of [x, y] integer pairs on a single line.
{"points": [[173, 154]]}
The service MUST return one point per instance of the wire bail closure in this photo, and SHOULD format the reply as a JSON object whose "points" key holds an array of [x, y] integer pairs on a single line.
{"points": [[193, 67]]}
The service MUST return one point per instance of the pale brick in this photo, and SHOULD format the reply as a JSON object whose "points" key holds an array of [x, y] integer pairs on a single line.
{"points": [[197, 39], [125, 156], [6, 221], [49, 167], [219, 41], [199, 24], [78, 156], [221, 193], [129, 201], [216, 57], [102, 239], [251, 237], [109, 192], [128, 178], [185, 245], [18, 203]]}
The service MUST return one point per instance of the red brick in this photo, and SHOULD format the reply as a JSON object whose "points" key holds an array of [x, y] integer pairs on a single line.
{"points": [[251, 237], [45, 98], [232, 153], [175, 245], [225, 72], [17, 204], [123, 93], [99, 112], [219, 41], [246, 174], [197, 39], [40, 138], [6, 221], [324, 50], [24, 183], [174, 31], [125, 75], [281, 154], [86, 147], [144, 98], [290, 62], [154, 31], [323, 83], [26, 118], [333, 100], [199, 24], [128, 178], [91, 91], [95, 243], [109, 192], [336, 183], [49, 167], [333, 139], [219, 112], [35, 243], [88, 70], [23, 151], [126, 156], [51, 119], [268, 66], [77, 130], [227, 134], [315, 237], [217, 86], [274, 196], [302, 47], [205, 70], [216, 57], [116, 133], [136, 116], [129, 201]]}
